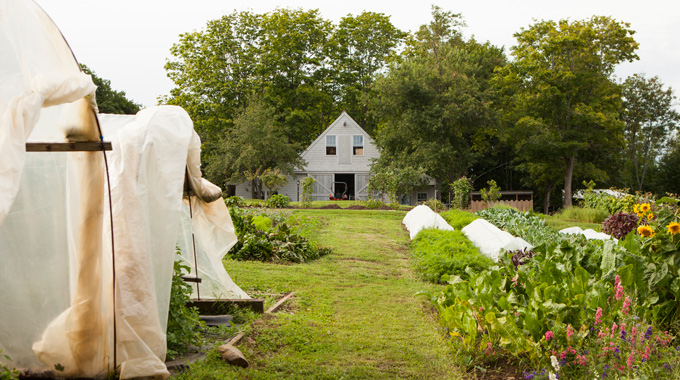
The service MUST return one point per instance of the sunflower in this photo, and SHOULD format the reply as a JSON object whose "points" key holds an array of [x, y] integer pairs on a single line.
{"points": [[650, 216], [645, 207], [673, 228], [636, 209], [645, 231]]}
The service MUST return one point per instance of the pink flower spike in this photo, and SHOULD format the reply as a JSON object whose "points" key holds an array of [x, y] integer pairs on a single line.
{"points": [[549, 335], [570, 331], [598, 316], [629, 362], [626, 305]]}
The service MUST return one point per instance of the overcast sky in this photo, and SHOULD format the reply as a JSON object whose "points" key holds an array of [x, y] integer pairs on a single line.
{"points": [[128, 41]]}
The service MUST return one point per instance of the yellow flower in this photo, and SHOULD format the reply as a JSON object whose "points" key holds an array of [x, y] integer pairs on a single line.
{"points": [[639, 214], [645, 231], [635, 208], [645, 208], [673, 228], [650, 216]]}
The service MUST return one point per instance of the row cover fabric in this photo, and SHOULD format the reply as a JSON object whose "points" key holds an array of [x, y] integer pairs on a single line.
{"points": [[421, 217], [55, 238], [491, 240], [590, 234]]}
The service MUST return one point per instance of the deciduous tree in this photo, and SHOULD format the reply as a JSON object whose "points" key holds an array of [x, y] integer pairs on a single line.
{"points": [[650, 122], [561, 86]]}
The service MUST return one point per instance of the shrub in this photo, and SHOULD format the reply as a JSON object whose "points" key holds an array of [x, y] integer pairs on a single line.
{"points": [[235, 201], [277, 201], [7, 373], [620, 224], [583, 214], [437, 253], [458, 218], [270, 239], [434, 204], [184, 325], [307, 190], [374, 204], [492, 194], [461, 192]]}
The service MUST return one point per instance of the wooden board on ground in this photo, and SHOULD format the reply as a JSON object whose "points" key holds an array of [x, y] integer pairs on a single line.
{"points": [[218, 307]]}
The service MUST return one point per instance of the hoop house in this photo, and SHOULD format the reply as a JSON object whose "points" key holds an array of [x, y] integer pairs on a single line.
{"points": [[84, 248]]}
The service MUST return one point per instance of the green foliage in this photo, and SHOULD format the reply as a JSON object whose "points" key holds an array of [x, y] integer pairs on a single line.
{"points": [[566, 102], [254, 146], [374, 204], [184, 325], [277, 201], [307, 190], [108, 99], [461, 193], [566, 285], [583, 214], [434, 204], [493, 194], [458, 218], [650, 122], [438, 253], [530, 227], [235, 201], [7, 373], [273, 179], [394, 182], [607, 202], [435, 104], [262, 238]]}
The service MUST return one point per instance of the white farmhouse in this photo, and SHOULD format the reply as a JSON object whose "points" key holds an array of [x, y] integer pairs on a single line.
{"points": [[339, 160]]}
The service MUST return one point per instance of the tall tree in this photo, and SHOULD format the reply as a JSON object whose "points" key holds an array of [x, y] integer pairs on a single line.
{"points": [[650, 122], [360, 49], [108, 99], [257, 142], [561, 85], [434, 106]]}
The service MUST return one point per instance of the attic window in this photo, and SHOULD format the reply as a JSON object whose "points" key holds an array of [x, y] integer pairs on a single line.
{"points": [[330, 145], [358, 145]]}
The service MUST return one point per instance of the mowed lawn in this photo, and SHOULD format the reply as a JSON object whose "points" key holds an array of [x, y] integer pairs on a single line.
{"points": [[354, 315]]}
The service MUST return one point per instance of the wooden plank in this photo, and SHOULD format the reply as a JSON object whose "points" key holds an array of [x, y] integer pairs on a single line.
{"points": [[223, 306], [278, 304], [81, 146], [192, 279]]}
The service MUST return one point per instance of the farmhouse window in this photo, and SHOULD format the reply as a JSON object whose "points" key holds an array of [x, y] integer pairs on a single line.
{"points": [[358, 145], [330, 145], [421, 197]]}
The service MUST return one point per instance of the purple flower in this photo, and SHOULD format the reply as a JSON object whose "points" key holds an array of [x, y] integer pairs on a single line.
{"points": [[667, 366], [623, 334], [648, 334]]}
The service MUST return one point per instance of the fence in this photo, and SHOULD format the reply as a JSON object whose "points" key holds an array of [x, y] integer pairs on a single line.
{"points": [[520, 205]]}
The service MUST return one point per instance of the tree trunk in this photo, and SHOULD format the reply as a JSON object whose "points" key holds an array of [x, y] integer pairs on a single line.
{"points": [[568, 175], [548, 190]]}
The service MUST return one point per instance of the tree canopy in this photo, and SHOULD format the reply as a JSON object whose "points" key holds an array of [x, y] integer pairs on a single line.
{"points": [[108, 99], [650, 122], [435, 104], [560, 92]]}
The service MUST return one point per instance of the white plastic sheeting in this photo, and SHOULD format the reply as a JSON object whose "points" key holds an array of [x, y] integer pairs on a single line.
{"points": [[590, 234], [490, 239], [55, 243], [421, 217]]}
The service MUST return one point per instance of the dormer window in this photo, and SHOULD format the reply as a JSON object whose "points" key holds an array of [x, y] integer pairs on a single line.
{"points": [[331, 146], [358, 145]]}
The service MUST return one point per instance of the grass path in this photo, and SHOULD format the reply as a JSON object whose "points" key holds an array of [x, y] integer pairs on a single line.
{"points": [[354, 315]]}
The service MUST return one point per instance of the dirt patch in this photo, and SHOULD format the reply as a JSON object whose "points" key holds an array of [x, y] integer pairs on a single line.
{"points": [[330, 206], [501, 370], [357, 207]]}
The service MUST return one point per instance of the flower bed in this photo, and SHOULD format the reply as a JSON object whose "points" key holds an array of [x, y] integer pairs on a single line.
{"points": [[574, 308]]}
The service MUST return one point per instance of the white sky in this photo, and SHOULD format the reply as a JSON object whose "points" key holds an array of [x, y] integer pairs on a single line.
{"points": [[128, 41]]}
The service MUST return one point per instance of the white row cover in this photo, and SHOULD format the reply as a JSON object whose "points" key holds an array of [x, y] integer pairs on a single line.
{"points": [[421, 217], [491, 239], [590, 234], [55, 232]]}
